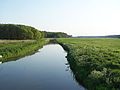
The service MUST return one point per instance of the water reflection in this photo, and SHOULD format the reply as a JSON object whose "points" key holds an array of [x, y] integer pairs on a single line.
{"points": [[47, 69]]}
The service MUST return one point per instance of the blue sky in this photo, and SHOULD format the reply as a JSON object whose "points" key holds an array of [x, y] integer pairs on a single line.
{"points": [[76, 17]]}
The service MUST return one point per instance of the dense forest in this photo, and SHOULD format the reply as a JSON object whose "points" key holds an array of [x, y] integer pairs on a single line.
{"points": [[56, 35], [18, 32], [22, 32]]}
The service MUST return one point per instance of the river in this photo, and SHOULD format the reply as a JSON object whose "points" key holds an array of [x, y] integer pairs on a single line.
{"points": [[47, 69]]}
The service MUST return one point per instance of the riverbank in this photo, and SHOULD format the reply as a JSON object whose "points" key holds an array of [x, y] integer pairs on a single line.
{"points": [[44, 70], [94, 62], [13, 49]]}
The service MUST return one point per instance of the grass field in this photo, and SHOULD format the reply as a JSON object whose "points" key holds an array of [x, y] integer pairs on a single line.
{"points": [[95, 62], [11, 49], [15, 41]]}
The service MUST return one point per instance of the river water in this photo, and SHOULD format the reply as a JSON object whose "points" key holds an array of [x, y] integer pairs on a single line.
{"points": [[45, 70]]}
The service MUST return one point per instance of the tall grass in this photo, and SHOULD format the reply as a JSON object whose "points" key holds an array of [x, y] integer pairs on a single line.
{"points": [[95, 62], [14, 49]]}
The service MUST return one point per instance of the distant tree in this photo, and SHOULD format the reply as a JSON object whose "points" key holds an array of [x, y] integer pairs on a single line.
{"points": [[56, 35]]}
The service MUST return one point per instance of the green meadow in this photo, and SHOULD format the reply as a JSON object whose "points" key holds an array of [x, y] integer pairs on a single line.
{"points": [[95, 62], [12, 49]]}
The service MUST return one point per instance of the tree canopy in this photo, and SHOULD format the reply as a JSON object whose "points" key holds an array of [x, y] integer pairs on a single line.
{"points": [[12, 31], [56, 35]]}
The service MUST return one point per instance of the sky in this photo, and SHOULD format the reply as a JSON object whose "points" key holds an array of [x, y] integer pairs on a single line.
{"points": [[75, 17]]}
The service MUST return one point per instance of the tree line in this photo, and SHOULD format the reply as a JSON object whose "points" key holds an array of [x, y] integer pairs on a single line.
{"points": [[56, 35], [12, 31], [23, 32]]}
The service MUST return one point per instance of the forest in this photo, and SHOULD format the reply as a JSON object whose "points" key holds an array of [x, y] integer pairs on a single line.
{"points": [[19, 32], [23, 32], [56, 35]]}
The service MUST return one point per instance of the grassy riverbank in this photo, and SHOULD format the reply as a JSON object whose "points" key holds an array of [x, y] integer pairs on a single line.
{"points": [[11, 49], [95, 62]]}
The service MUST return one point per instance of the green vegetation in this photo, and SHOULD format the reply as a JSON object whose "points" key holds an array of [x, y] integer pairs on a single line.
{"points": [[95, 62], [14, 49], [20, 40], [19, 32], [56, 35]]}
